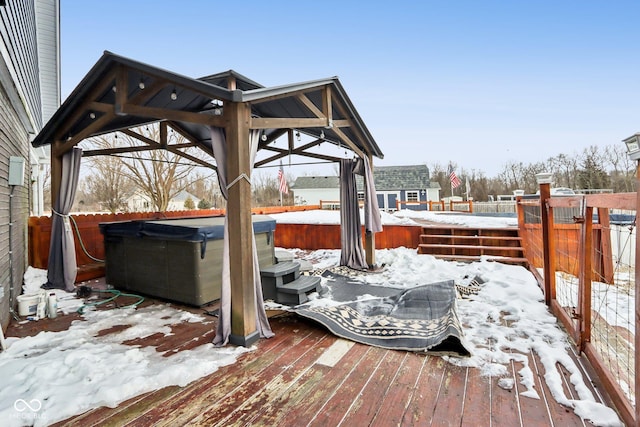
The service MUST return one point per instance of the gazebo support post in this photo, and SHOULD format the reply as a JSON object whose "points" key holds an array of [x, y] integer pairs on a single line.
{"points": [[370, 238], [56, 171], [243, 316]]}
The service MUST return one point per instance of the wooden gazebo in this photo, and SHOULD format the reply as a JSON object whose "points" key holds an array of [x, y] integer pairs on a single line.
{"points": [[120, 94]]}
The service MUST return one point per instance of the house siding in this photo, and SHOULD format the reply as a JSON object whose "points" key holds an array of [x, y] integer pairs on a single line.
{"points": [[20, 54], [21, 114], [14, 141], [48, 34]]}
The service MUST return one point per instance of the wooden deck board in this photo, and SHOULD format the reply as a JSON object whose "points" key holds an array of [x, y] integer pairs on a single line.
{"points": [[300, 404], [266, 386], [286, 381], [450, 402], [366, 404], [395, 402], [424, 398], [339, 404], [477, 403]]}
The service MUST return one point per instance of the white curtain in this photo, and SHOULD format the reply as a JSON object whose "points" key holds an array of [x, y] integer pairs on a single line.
{"points": [[224, 319]]}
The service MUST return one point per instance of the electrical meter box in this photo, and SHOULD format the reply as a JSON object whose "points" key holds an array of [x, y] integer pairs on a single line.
{"points": [[16, 170]]}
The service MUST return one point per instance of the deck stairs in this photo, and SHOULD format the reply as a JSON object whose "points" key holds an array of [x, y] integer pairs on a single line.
{"points": [[283, 283], [457, 243]]}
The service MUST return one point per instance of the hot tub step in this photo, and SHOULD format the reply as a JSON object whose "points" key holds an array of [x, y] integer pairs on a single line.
{"points": [[297, 291]]}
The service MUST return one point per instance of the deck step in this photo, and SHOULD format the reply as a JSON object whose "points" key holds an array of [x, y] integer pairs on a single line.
{"points": [[479, 248], [470, 258], [282, 283], [280, 269], [465, 237], [472, 244], [297, 291]]}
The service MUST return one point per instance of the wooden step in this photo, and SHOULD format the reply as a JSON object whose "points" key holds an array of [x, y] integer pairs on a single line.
{"points": [[471, 244], [471, 258], [466, 237], [479, 248]]}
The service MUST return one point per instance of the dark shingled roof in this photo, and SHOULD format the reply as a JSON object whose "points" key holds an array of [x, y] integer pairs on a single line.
{"points": [[308, 182], [387, 178]]}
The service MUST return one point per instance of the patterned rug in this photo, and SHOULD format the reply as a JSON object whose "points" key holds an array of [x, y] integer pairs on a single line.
{"points": [[421, 319]]}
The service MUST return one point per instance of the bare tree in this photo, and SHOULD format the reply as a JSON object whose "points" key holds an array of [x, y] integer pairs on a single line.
{"points": [[160, 173], [107, 184]]}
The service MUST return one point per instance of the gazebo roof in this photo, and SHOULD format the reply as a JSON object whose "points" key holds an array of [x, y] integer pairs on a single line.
{"points": [[119, 93]]}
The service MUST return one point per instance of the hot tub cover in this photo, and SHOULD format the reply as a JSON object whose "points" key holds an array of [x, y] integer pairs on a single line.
{"points": [[185, 229]]}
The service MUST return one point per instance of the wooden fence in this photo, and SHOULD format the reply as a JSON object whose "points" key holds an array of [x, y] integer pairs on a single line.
{"points": [[440, 205], [303, 236], [589, 287]]}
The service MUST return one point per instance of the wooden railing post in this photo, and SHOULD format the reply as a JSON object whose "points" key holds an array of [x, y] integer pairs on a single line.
{"points": [[547, 230], [637, 301], [584, 279]]}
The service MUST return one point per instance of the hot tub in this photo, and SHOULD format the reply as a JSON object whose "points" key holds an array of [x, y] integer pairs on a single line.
{"points": [[176, 259]]}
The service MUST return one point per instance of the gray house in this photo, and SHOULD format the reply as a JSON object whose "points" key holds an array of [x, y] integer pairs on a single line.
{"points": [[410, 184], [29, 95]]}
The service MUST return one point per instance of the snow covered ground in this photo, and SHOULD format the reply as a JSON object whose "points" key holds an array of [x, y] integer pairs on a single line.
{"points": [[55, 375]]}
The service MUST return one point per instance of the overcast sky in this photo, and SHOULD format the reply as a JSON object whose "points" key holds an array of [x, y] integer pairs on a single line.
{"points": [[478, 83]]}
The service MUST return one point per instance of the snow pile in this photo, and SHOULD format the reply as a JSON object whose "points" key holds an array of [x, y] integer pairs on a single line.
{"points": [[55, 375]]}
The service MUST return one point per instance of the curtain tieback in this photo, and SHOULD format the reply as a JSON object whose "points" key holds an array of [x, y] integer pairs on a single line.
{"points": [[59, 214], [242, 176]]}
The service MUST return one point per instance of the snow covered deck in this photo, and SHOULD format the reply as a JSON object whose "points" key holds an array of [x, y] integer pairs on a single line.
{"points": [[306, 376]]}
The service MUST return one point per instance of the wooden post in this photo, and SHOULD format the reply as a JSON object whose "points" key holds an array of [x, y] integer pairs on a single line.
{"points": [[552, 254], [56, 171], [637, 302], [547, 230], [584, 279], [369, 237], [606, 258], [243, 315]]}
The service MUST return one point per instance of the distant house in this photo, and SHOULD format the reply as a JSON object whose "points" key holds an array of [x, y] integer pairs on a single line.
{"points": [[310, 190], [140, 202], [406, 183]]}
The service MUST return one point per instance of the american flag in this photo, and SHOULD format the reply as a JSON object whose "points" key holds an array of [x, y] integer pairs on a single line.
{"points": [[282, 181], [455, 181]]}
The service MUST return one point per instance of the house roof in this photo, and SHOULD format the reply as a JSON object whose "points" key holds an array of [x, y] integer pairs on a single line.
{"points": [[316, 182], [386, 178], [183, 195], [389, 178], [119, 93]]}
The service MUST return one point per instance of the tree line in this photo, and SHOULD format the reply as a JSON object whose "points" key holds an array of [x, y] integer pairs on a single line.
{"points": [[595, 167], [109, 182]]}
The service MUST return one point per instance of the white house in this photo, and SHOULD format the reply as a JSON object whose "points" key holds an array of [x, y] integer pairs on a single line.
{"points": [[140, 202], [310, 190]]}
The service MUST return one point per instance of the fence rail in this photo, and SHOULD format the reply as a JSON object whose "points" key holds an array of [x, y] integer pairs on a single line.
{"points": [[587, 264]]}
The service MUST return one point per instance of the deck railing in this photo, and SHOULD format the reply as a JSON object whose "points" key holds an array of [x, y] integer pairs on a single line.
{"points": [[584, 253]]}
